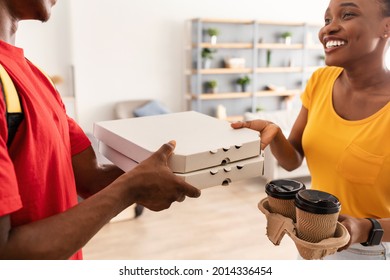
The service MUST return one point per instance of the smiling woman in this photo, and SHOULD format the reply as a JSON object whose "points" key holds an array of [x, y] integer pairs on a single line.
{"points": [[342, 128]]}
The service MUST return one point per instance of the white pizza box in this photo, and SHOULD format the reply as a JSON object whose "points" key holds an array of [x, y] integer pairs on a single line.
{"points": [[202, 141], [205, 178]]}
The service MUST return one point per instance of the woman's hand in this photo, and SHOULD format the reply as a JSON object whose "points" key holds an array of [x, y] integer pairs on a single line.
{"points": [[267, 129], [288, 152], [358, 229]]}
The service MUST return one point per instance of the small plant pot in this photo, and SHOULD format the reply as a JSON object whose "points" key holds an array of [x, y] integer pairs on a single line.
{"points": [[244, 88], [213, 39], [206, 63], [287, 40], [212, 90]]}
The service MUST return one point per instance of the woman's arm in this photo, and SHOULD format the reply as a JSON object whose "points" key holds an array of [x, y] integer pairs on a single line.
{"points": [[288, 152]]}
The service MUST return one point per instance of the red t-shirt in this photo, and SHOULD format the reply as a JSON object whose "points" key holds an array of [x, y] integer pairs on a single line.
{"points": [[36, 175]]}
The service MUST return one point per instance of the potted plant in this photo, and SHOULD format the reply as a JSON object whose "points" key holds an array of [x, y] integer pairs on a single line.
{"points": [[213, 33], [286, 37], [243, 82], [207, 56], [259, 109], [212, 86]]}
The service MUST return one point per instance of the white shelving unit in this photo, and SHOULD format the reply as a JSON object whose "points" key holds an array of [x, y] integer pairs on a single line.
{"points": [[288, 68]]}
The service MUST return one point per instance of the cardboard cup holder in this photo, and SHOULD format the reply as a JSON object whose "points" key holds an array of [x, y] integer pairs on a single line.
{"points": [[279, 225]]}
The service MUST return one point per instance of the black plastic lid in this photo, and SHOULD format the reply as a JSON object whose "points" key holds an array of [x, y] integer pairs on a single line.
{"points": [[283, 189], [317, 202]]}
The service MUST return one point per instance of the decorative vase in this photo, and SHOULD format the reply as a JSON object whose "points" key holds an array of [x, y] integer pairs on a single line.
{"points": [[269, 58], [221, 112]]}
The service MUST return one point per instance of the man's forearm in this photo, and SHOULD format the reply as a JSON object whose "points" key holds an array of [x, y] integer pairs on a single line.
{"points": [[62, 235], [98, 180]]}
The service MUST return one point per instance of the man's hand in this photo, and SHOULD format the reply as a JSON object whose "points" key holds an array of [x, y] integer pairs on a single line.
{"points": [[154, 185]]}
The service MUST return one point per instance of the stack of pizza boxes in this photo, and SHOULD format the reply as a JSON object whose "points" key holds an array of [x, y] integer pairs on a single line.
{"points": [[208, 151]]}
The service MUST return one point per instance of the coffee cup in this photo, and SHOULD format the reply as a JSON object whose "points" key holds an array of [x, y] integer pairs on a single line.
{"points": [[281, 196], [316, 215]]}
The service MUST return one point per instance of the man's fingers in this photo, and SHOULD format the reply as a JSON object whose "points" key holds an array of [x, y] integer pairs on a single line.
{"points": [[167, 149], [191, 191], [181, 198]]}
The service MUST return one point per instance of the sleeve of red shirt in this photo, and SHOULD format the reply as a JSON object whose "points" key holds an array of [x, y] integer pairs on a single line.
{"points": [[78, 139], [10, 200]]}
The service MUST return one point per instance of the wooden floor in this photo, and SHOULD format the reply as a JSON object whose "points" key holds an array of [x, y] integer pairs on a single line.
{"points": [[224, 223]]}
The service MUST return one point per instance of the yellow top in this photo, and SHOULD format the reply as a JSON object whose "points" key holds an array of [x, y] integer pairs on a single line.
{"points": [[349, 159]]}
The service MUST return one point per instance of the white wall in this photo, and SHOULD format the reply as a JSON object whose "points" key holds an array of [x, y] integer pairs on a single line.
{"points": [[127, 49], [48, 44]]}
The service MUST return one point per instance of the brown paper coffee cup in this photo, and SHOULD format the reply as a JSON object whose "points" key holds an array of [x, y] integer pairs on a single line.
{"points": [[281, 196], [316, 215]]}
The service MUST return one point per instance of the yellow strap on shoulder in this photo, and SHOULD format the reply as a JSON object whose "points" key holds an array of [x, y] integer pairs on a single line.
{"points": [[11, 96]]}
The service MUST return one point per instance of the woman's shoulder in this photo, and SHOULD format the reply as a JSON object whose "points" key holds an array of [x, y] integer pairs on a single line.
{"points": [[322, 79], [326, 74], [328, 71]]}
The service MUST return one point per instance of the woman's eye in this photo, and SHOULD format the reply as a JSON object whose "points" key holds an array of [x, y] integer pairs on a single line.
{"points": [[327, 21], [348, 15]]}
